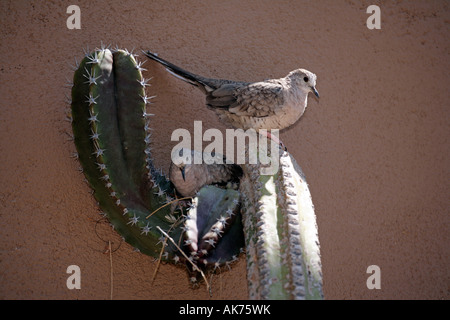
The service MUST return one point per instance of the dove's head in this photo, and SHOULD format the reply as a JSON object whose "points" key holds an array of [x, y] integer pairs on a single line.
{"points": [[182, 175], [182, 168], [305, 80], [182, 160]]}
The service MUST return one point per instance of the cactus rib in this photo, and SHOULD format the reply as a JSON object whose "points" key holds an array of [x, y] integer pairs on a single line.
{"points": [[283, 255]]}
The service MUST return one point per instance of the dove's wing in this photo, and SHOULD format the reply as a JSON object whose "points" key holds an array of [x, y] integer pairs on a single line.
{"points": [[220, 173], [259, 99]]}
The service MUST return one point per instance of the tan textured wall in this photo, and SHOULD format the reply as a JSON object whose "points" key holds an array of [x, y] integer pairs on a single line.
{"points": [[375, 148]]}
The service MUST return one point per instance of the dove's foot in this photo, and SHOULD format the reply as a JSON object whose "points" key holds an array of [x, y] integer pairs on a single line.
{"points": [[274, 139]]}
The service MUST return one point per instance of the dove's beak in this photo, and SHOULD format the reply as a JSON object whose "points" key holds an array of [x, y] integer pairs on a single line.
{"points": [[182, 173], [316, 93]]}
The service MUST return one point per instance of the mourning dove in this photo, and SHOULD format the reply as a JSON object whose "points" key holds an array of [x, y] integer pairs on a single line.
{"points": [[268, 104], [188, 177]]}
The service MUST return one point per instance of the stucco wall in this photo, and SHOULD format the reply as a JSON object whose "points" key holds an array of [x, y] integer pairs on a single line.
{"points": [[375, 147]]}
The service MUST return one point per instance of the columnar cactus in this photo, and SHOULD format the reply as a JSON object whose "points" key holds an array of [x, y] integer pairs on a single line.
{"points": [[282, 245], [112, 133]]}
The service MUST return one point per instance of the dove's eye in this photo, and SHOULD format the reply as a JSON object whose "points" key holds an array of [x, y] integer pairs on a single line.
{"points": [[305, 79]]}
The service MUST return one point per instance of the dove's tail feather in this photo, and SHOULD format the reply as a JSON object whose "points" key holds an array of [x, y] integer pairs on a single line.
{"points": [[180, 73]]}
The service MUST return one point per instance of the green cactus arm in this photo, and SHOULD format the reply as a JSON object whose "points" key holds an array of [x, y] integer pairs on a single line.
{"points": [[105, 159], [283, 255], [112, 135]]}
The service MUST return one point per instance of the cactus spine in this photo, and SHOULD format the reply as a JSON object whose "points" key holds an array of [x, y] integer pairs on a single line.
{"points": [[283, 255], [112, 135]]}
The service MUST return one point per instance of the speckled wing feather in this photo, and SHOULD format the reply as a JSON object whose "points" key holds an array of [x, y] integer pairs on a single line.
{"points": [[260, 99], [219, 173]]}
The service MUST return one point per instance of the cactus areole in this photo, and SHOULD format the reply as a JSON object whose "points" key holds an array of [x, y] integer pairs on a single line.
{"points": [[112, 133]]}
